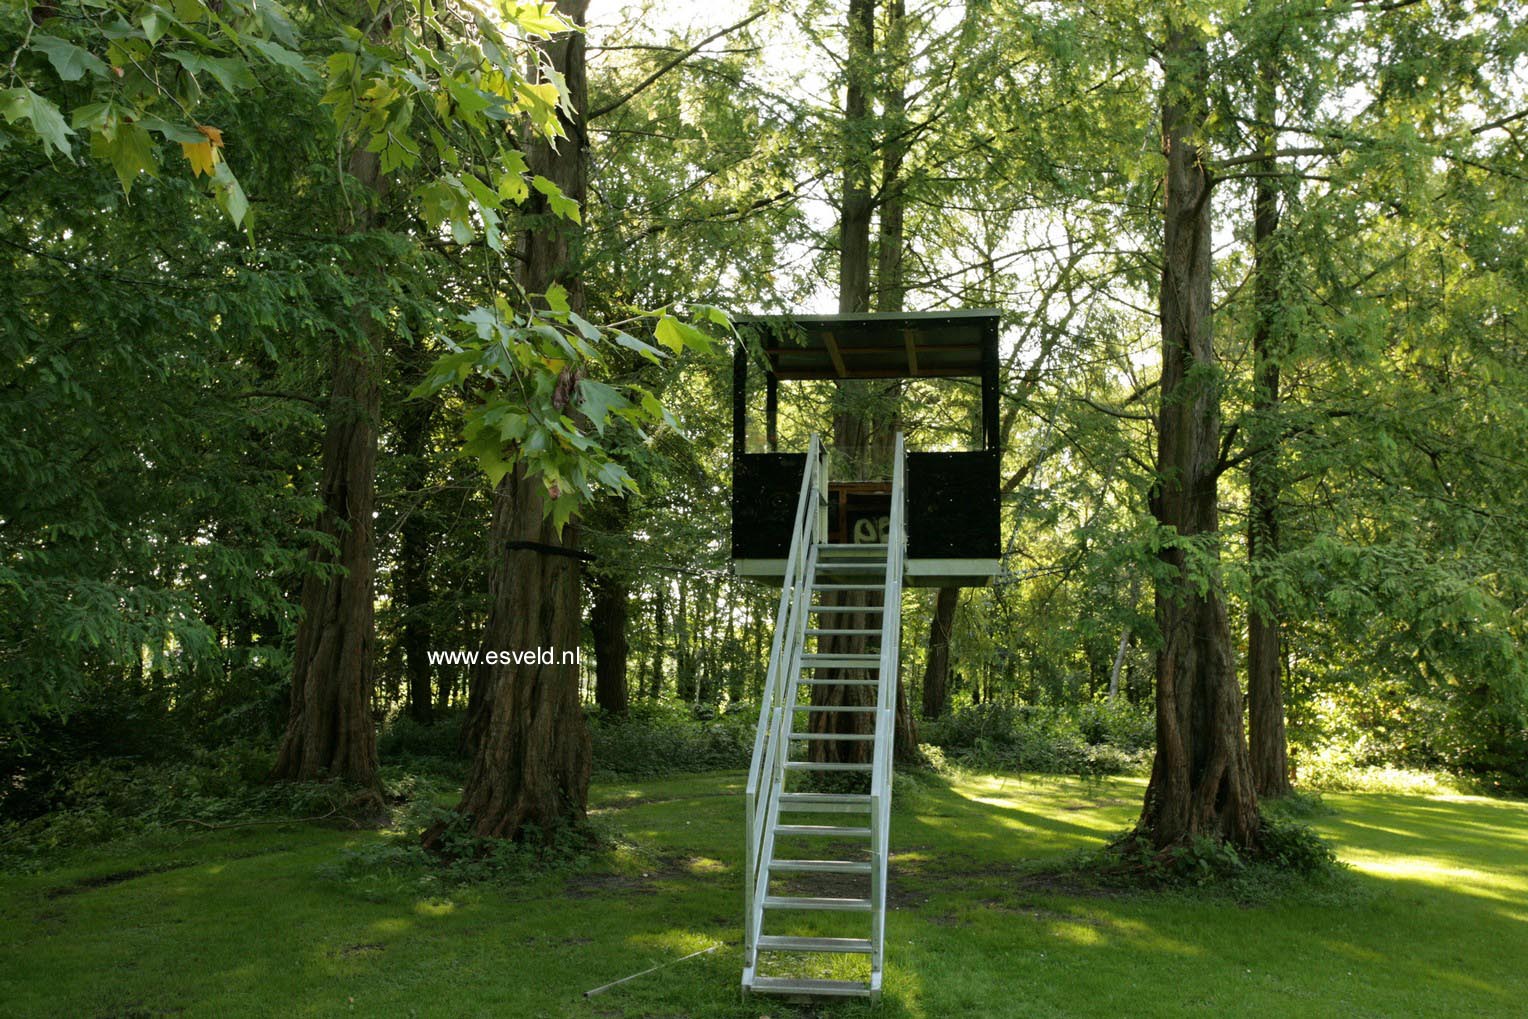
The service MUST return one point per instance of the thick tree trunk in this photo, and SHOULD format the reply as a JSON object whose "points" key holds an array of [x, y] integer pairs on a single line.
{"points": [[936, 673], [330, 732], [530, 746], [1265, 652], [607, 622], [1201, 782]]}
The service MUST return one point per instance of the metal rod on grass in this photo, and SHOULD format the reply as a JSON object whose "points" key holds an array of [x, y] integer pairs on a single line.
{"points": [[651, 969]]}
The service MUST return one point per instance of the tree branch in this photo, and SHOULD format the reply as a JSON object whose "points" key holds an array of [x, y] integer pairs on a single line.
{"points": [[666, 68]]}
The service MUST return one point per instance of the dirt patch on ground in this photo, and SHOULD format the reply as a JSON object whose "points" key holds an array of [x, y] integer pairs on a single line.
{"points": [[86, 884], [645, 801], [349, 951]]}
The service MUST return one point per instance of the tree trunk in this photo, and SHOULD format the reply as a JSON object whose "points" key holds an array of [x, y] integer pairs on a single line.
{"points": [[413, 581], [850, 428], [1125, 640], [1201, 782], [607, 621], [658, 637], [1265, 652], [891, 292], [530, 746], [936, 674], [330, 732]]}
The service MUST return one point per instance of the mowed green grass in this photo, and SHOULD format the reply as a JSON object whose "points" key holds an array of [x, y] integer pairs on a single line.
{"points": [[243, 922]]}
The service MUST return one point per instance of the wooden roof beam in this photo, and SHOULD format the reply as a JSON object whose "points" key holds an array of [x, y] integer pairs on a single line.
{"points": [[912, 352], [833, 352]]}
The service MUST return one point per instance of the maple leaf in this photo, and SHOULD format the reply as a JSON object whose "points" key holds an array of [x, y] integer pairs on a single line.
{"points": [[203, 156]]}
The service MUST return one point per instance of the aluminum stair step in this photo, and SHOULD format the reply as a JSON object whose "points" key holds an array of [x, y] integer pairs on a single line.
{"points": [[841, 565], [844, 633], [802, 986], [811, 681], [846, 608], [863, 708], [783, 943], [805, 902], [855, 659], [824, 803], [851, 737], [848, 587], [825, 830], [820, 866], [869, 546], [859, 799], [824, 766]]}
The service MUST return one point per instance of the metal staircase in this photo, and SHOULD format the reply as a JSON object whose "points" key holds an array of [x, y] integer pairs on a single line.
{"points": [[780, 836]]}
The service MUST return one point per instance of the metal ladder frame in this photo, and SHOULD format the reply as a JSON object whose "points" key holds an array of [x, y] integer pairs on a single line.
{"points": [[766, 775]]}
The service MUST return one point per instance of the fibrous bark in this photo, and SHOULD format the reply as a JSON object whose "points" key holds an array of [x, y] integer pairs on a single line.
{"points": [[1265, 650], [936, 672], [525, 728], [1201, 782], [330, 732], [607, 624]]}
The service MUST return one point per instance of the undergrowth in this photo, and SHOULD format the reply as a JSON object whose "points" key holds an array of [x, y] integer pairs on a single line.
{"points": [[1290, 859]]}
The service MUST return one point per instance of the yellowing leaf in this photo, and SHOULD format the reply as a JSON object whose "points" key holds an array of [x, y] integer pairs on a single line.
{"points": [[201, 155]]}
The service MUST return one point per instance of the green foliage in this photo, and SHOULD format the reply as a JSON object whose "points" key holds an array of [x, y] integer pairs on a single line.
{"points": [[1094, 739], [667, 739], [98, 802], [1291, 860]]}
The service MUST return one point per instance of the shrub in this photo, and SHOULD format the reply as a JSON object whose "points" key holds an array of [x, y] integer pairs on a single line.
{"points": [[99, 801], [664, 739], [441, 738], [1089, 740]]}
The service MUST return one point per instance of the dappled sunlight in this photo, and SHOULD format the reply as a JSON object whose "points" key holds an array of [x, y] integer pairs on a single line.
{"points": [[390, 925], [704, 865], [671, 942], [1462, 880], [1076, 932], [435, 908]]}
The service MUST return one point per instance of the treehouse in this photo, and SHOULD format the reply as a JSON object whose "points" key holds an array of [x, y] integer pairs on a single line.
{"points": [[951, 497]]}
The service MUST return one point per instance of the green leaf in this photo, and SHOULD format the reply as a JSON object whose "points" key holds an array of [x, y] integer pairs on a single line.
{"points": [[70, 61], [23, 104], [131, 151], [230, 194], [597, 402], [561, 205], [630, 342], [557, 298], [538, 19], [182, 133], [154, 22], [677, 335], [231, 73], [279, 54]]}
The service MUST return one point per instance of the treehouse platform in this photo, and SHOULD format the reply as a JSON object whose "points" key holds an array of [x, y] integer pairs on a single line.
{"points": [[952, 496]]}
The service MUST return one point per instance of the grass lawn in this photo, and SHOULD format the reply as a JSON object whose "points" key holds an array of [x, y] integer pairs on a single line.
{"points": [[246, 921]]}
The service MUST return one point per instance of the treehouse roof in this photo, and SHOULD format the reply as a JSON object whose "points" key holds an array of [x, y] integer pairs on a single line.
{"points": [[891, 345]]}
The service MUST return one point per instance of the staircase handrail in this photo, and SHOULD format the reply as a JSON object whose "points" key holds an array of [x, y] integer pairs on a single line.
{"points": [[886, 696], [771, 738]]}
